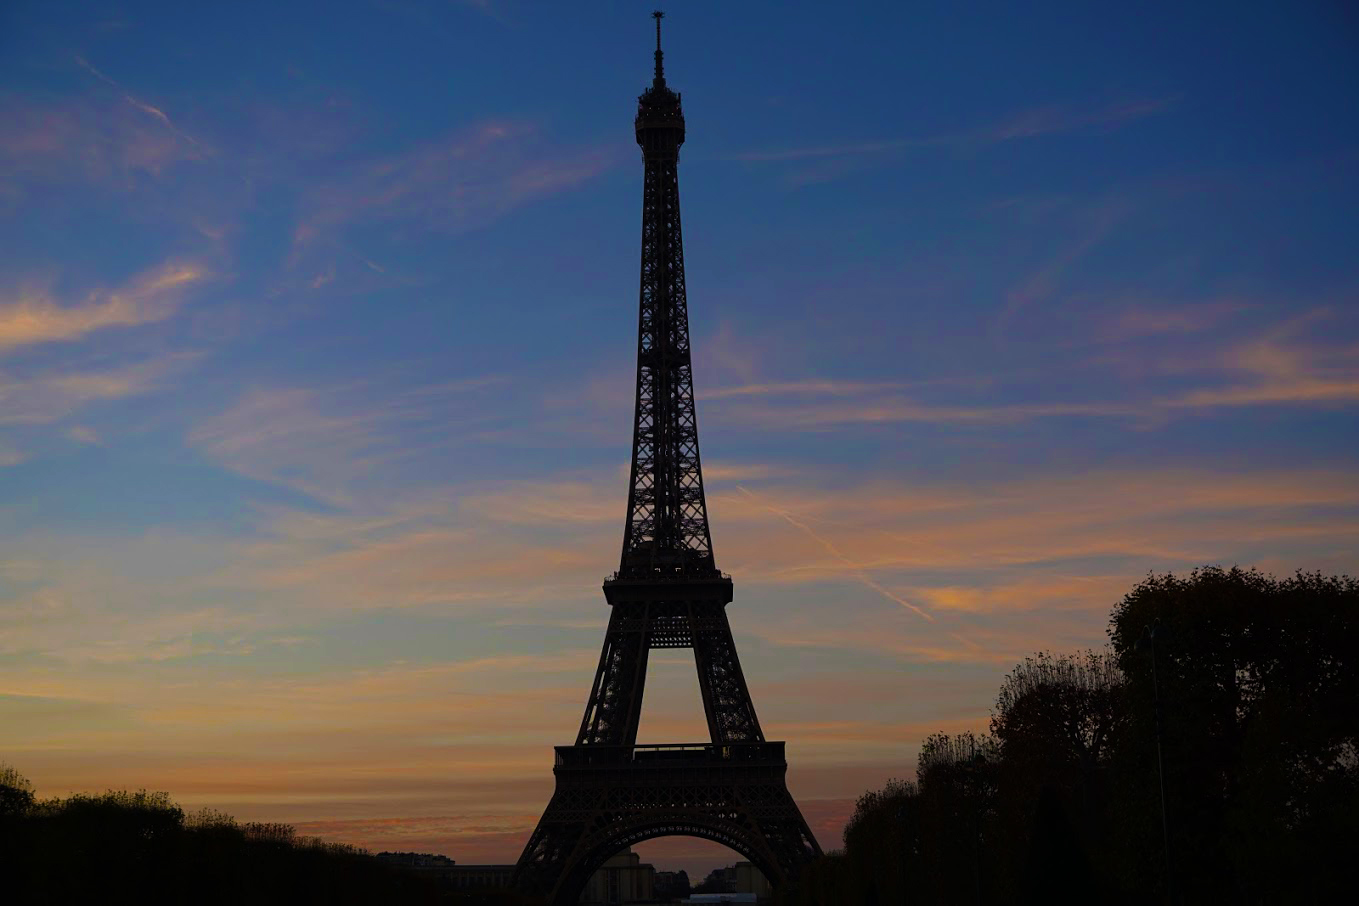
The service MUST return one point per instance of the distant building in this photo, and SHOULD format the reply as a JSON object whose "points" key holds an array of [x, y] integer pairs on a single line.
{"points": [[449, 874], [743, 877], [671, 885], [478, 877], [625, 878], [416, 860]]}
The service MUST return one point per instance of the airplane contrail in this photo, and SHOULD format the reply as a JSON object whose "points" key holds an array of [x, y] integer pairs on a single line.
{"points": [[135, 102], [859, 572]]}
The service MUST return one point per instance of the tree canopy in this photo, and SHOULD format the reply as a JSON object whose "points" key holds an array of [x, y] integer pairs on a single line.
{"points": [[1257, 679]]}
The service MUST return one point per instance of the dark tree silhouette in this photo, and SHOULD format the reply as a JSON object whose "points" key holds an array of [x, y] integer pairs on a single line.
{"points": [[16, 793], [140, 848], [1062, 709], [883, 838], [1259, 679], [1057, 719], [958, 777], [1057, 868]]}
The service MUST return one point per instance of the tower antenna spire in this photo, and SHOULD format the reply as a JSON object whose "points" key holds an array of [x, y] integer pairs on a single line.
{"points": [[660, 72]]}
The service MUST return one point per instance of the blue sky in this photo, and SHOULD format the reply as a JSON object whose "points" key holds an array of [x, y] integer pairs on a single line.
{"points": [[316, 328]]}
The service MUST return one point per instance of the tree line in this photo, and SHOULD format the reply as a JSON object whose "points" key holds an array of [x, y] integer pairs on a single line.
{"points": [[140, 847], [1250, 685]]}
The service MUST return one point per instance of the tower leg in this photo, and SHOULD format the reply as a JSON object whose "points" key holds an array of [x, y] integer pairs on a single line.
{"points": [[615, 705], [731, 714]]}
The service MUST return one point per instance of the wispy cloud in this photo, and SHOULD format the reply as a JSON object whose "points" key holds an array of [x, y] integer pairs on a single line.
{"points": [[1152, 516], [1078, 592], [855, 569], [326, 441], [1283, 366], [1056, 119], [9, 456], [84, 434], [720, 472], [795, 388], [813, 414], [1141, 320], [457, 183], [1034, 123], [557, 503], [52, 396], [847, 150], [36, 317], [138, 104], [1092, 230], [90, 137], [1281, 369]]}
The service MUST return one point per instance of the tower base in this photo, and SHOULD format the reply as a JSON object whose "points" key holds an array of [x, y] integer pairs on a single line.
{"points": [[611, 797]]}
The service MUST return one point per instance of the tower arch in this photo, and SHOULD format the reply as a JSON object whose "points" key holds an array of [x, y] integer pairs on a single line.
{"points": [[580, 874]]}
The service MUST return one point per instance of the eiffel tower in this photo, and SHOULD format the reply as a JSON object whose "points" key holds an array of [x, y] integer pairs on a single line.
{"points": [[668, 593]]}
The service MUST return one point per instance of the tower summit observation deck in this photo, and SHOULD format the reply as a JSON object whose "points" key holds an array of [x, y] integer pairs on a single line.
{"points": [[668, 593]]}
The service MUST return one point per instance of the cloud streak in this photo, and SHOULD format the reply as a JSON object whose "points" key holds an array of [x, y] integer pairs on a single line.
{"points": [[1035, 123], [136, 103], [328, 442], [35, 317], [1277, 368], [53, 396], [855, 568], [460, 182]]}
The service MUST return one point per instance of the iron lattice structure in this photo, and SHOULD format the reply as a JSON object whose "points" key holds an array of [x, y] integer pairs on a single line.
{"points": [[667, 593]]}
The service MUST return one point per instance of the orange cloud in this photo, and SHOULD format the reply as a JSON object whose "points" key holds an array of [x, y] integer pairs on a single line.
{"points": [[455, 756], [152, 296], [1280, 370], [1292, 363]]}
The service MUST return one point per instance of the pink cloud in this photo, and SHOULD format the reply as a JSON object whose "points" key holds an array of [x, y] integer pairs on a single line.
{"points": [[91, 140], [457, 183]]}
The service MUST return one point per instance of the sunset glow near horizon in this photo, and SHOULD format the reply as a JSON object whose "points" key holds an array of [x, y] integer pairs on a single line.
{"points": [[317, 337]]}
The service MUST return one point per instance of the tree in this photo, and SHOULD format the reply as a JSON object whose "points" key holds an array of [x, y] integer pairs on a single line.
{"points": [[139, 847], [1065, 710], [958, 777], [882, 845], [16, 793], [1058, 719], [1258, 679], [822, 882]]}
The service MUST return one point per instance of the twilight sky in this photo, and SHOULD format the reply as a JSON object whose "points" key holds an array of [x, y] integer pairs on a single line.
{"points": [[316, 337]]}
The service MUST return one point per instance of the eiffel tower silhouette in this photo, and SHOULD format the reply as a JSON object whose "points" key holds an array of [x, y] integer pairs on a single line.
{"points": [[668, 593]]}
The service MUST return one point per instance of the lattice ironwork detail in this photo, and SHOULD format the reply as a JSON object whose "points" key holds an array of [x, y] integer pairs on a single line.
{"points": [[734, 795], [669, 621], [667, 593], [667, 527]]}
